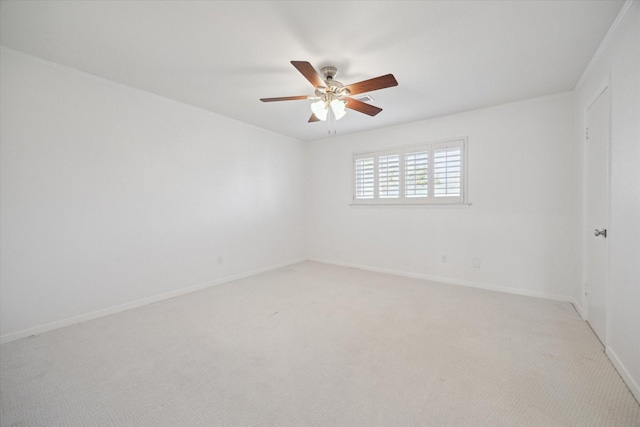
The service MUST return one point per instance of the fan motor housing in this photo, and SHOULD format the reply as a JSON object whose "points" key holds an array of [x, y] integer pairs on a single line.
{"points": [[329, 72], [332, 86]]}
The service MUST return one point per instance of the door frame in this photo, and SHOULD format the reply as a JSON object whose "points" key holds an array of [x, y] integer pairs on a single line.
{"points": [[604, 86]]}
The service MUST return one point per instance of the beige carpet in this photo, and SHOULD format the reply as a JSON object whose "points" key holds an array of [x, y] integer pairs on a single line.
{"points": [[320, 345]]}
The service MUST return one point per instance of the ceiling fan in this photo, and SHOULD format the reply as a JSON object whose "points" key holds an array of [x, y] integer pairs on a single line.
{"points": [[332, 96]]}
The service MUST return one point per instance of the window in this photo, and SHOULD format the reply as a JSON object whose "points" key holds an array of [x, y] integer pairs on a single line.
{"points": [[427, 174]]}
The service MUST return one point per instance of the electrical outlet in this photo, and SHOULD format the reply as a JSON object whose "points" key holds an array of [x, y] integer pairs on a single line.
{"points": [[219, 260], [476, 263], [443, 259]]}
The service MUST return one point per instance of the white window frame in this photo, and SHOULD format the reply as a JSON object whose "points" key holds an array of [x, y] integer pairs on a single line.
{"points": [[430, 199]]}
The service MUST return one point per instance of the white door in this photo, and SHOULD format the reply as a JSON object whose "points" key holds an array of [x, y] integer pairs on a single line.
{"points": [[597, 211]]}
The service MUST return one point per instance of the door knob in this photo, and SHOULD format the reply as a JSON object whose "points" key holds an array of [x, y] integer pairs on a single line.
{"points": [[602, 232]]}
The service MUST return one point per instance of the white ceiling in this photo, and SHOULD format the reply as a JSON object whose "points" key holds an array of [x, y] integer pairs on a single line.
{"points": [[448, 56]]}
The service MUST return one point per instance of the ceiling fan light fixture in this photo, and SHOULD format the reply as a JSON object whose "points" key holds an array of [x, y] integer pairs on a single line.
{"points": [[319, 108], [339, 109]]}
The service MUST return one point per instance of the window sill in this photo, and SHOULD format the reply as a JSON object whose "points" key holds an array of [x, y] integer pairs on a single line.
{"points": [[412, 205]]}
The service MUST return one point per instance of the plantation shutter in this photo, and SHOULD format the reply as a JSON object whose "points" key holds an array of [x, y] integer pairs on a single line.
{"points": [[389, 176], [416, 174], [364, 178], [447, 171], [426, 174]]}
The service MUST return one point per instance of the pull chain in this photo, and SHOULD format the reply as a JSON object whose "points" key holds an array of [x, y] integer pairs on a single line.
{"points": [[331, 121]]}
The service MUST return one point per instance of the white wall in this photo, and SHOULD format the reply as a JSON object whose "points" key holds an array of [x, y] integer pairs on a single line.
{"points": [[112, 195], [619, 61], [523, 175]]}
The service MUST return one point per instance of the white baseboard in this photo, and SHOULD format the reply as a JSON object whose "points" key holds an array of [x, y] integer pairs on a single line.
{"points": [[451, 281], [579, 309], [624, 373], [138, 303]]}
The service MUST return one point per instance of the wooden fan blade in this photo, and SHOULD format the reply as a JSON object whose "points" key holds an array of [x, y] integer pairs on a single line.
{"points": [[372, 84], [284, 98], [362, 107], [313, 118], [309, 73]]}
